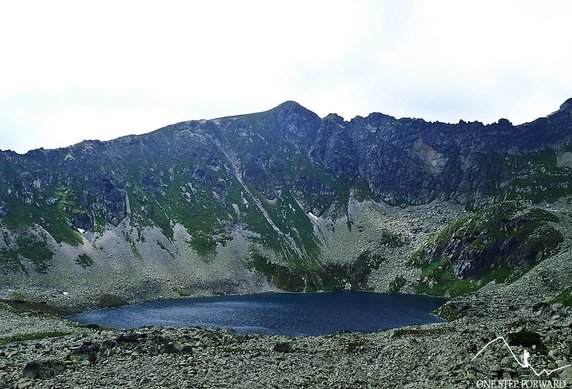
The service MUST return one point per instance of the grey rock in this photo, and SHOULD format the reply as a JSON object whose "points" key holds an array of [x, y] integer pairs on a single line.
{"points": [[3, 208], [82, 220], [43, 369], [170, 348], [282, 347], [86, 353]]}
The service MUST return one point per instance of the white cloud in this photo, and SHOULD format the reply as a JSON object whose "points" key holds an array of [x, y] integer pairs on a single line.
{"points": [[73, 70]]}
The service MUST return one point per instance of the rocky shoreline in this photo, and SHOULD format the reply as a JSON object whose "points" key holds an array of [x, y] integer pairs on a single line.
{"points": [[43, 351]]}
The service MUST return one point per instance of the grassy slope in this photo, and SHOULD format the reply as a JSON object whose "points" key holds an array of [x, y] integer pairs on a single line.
{"points": [[526, 232]]}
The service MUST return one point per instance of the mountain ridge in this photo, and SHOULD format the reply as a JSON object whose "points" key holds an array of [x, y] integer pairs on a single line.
{"points": [[267, 196], [566, 105]]}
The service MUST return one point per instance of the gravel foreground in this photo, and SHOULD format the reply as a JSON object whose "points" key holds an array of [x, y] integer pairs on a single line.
{"points": [[429, 356]]}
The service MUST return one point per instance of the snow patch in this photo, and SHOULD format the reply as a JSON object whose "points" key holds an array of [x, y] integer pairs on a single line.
{"points": [[236, 209], [312, 216]]}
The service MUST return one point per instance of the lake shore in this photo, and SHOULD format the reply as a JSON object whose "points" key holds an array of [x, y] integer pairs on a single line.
{"points": [[44, 351], [291, 314]]}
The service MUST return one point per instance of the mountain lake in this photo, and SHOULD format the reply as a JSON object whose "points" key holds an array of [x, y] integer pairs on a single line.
{"points": [[305, 314]]}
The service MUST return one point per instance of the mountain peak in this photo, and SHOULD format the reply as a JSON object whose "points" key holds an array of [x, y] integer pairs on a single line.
{"points": [[294, 113], [567, 105], [293, 106], [289, 104]]}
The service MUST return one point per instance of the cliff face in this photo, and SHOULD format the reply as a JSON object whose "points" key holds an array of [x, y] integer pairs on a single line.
{"points": [[213, 196]]}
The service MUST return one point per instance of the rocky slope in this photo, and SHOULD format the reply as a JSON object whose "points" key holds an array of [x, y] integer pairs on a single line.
{"points": [[278, 199]]}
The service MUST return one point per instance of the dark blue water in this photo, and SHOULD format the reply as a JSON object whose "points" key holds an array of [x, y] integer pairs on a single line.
{"points": [[276, 313]]}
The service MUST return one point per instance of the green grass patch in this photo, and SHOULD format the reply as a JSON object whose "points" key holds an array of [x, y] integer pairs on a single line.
{"points": [[438, 279], [34, 249], [33, 336], [10, 260], [326, 277], [108, 300], [52, 218], [390, 239], [21, 305], [31, 248], [397, 284], [84, 260], [203, 244], [564, 298], [291, 219]]}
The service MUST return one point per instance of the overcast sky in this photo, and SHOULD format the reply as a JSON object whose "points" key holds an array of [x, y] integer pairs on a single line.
{"points": [[75, 70]]}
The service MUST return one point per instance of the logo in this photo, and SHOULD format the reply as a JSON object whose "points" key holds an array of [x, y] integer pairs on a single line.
{"points": [[543, 381], [525, 356]]}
